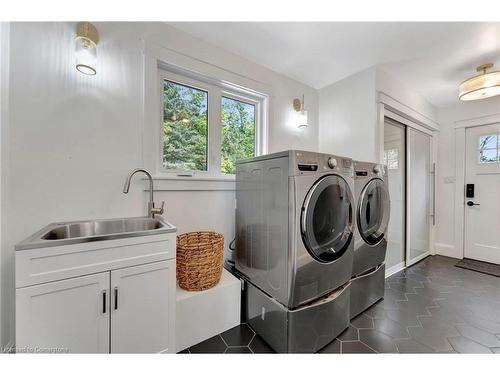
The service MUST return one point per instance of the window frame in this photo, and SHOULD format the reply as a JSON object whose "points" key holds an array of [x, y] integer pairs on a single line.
{"points": [[214, 139]]}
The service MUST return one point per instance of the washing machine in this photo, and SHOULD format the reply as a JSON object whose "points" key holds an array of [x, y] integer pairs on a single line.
{"points": [[294, 246], [371, 193]]}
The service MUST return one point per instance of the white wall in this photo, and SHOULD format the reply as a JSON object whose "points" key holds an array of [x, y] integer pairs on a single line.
{"points": [[73, 138], [4, 91], [349, 122], [347, 117], [416, 105], [446, 191]]}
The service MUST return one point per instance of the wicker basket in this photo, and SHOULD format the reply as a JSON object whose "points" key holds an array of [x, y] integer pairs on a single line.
{"points": [[199, 260]]}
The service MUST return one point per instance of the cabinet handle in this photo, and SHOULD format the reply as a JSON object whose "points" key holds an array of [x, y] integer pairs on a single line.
{"points": [[104, 301], [116, 298]]}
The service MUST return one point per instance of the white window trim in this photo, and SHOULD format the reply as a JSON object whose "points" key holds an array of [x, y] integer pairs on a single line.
{"points": [[215, 94]]}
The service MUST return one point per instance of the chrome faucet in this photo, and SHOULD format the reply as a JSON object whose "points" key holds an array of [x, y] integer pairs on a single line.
{"points": [[152, 211]]}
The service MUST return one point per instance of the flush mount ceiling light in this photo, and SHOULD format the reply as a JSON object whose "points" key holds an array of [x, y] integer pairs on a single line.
{"points": [[482, 86], [302, 113], [86, 48]]}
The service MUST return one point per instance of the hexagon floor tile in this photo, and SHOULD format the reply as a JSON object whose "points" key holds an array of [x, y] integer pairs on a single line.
{"points": [[431, 307]]}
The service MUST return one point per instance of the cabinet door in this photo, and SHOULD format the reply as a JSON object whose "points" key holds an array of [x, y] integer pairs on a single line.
{"points": [[143, 308], [64, 316]]}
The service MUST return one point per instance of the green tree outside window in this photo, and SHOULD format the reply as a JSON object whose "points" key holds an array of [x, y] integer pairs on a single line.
{"points": [[185, 127], [238, 133]]}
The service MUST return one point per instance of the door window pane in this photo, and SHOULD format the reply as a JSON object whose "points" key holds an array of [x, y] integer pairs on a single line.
{"points": [[488, 141], [185, 127], [488, 156], [488, 148], [238, 133]]}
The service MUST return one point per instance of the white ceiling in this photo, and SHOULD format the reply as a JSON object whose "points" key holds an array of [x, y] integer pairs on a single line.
{"points": [[433, 58]]}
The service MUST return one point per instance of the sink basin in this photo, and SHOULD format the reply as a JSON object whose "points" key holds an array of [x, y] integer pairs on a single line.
{"points": [[74, 232]]}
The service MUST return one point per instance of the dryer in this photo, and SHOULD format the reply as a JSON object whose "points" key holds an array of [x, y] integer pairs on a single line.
{"points": [[371, 193], [294, 246]]}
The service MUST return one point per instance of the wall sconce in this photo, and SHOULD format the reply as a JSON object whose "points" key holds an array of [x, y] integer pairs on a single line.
{"points": [[86, 48], [302, 113]]}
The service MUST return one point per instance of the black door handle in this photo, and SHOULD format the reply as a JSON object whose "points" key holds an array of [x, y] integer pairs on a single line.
{"points": [[471, 203], [116, 298], [104, 301]]}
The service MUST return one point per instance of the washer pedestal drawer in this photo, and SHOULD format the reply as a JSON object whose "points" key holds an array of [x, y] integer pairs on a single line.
{"points": [[367, 289], [306, 329]]}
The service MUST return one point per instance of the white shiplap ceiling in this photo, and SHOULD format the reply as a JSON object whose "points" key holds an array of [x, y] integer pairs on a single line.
{"points": [[433, 58]]}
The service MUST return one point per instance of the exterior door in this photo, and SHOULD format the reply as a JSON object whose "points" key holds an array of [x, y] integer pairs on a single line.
{"points": [[68, 316], [482, 206], [142, 315]]}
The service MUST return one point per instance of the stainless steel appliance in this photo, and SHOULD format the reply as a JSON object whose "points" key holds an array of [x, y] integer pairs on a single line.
{"points": [[370, 243], [294, 246]]}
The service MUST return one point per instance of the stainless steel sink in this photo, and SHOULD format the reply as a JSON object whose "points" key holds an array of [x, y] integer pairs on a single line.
{"points": [[74, 232]]}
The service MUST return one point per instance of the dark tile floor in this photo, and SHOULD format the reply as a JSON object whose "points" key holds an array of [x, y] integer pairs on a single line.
{"points": [[431, 307]]}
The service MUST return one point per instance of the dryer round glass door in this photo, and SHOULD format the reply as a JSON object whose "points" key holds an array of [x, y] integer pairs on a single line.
{"points": [[373, 211], [326, 220]]}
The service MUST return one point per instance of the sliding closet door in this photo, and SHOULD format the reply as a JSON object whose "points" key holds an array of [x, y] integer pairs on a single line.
{"points": [[419, 194], [394, 158]]}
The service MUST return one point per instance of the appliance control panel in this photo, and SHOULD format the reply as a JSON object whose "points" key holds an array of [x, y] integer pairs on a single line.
{"points": [[311, 162], [377, 170]]}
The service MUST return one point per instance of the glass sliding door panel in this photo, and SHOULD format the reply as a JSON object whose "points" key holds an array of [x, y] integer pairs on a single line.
{"points": [[419, 175], [395, 159]]}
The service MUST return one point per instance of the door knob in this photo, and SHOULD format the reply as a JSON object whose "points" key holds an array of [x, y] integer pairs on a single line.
{"points": [[471, 203]]}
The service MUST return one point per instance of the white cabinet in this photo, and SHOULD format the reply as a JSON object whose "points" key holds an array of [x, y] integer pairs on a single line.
{"points": [[141, 311], [113, 296], [69, 316]]}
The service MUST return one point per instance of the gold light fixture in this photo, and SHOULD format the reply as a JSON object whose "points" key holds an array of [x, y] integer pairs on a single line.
{"points": [[86, 48], [482, 86], [302, 113]]}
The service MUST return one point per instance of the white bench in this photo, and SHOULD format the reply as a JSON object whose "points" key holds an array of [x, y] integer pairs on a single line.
{"points": [[201, 315]]}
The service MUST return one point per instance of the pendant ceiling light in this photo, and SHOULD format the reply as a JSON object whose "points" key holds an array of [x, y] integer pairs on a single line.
{"points": [[482, 86]]}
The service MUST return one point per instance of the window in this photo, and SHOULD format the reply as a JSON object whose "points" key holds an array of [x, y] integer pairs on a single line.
{"points": [[206, 128], [391, 158], [488, 148], [238, 132], [185, 127]]}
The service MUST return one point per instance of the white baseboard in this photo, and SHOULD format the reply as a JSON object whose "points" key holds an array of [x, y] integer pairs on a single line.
{"points": [[418, 258], [392, 270], [447, 250]]}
